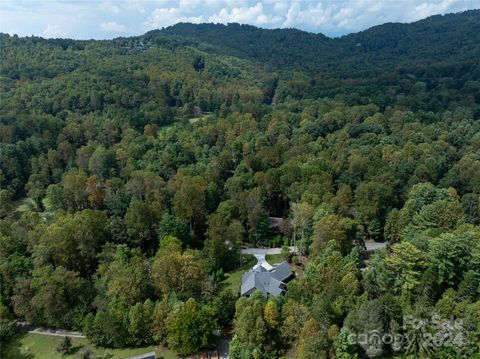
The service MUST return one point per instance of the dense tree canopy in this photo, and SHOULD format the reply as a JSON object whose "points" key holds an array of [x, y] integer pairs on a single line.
{"points": [[133, 170]]}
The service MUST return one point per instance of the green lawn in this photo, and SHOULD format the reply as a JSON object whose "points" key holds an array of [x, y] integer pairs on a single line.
{"points": [[233, 280], [274, 258], [199, 118], [37, 346]]}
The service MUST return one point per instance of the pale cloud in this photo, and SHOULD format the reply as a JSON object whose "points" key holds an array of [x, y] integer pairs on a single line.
{"points": [[162, 17], [248, 15], [112, 26], [135, 6], [313, 16], [83, 19], [191, 5], [53, 31], [109, 7], [345, 16], [426, 9], [280, 7]]}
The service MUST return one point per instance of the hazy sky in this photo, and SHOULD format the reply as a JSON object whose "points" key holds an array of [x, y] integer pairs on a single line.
{"points": [[108, 19]]}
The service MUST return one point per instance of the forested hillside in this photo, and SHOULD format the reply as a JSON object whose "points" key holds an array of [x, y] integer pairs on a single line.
{"points": [[133, 170]]}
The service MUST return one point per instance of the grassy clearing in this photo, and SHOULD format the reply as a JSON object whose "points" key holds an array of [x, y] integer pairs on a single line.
{"points": [[274, 258], [233, 280], [199, 118], [37, 346]]}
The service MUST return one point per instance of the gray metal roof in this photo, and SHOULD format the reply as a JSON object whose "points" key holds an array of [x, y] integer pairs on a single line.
{"points": [[282, 272], [268, 282], [150, 355]]}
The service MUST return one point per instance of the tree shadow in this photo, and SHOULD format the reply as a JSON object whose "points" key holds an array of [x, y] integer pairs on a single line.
{"points": [[75, 349], [13, 349]]}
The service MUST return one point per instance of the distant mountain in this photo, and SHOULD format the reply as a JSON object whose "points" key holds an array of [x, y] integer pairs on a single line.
{"points": [[415, 66], [434, 38], [279, 47], [133, 170]]}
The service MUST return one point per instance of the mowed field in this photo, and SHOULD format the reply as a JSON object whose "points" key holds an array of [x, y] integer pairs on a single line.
{"points": [[233, 280], [38, 346]]}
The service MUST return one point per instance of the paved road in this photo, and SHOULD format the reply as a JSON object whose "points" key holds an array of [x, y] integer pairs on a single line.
{"points": [[375, 245], [370, 246], [260, 254], [263, 251], [50, 332]]}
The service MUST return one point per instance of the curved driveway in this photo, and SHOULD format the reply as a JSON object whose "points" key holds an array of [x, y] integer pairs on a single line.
{"points": [[51, 332], [260, 253]]}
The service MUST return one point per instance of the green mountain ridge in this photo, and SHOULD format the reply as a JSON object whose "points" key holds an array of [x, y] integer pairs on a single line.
{"points": [[451, 31], [133, 171]]}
